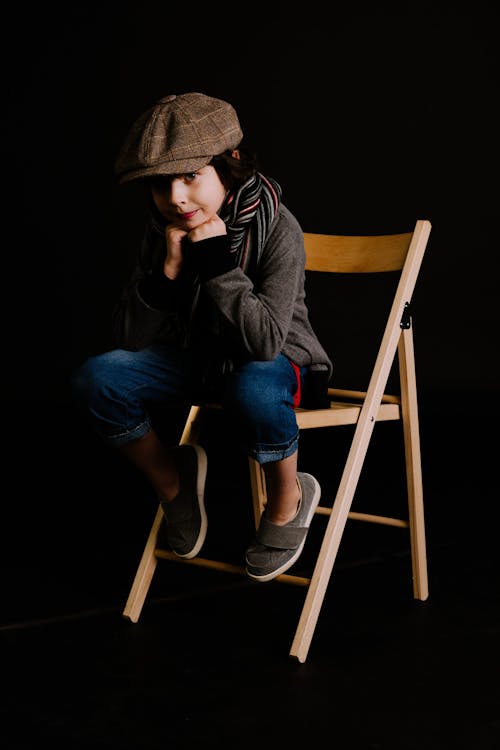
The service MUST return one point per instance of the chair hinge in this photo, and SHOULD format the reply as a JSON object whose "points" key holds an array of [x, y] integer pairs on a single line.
{"points": [[406, 317]]}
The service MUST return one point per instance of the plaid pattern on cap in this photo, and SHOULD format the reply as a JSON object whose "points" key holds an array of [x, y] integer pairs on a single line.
{"points": [[180, 133]]}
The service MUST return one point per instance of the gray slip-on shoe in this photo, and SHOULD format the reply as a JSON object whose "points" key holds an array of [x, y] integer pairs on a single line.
{"points": [[185, 515], [276, 548]]}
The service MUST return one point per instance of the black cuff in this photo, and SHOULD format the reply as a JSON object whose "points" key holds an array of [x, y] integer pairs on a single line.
{"points": [[213, 257], [315, 391]]}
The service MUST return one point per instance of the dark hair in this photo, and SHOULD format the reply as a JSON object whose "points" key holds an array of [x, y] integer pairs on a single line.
{"points": [[234, 172]]}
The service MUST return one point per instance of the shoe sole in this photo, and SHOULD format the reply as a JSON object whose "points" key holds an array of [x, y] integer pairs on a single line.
{"points": [[200, 491], [298, 552]]}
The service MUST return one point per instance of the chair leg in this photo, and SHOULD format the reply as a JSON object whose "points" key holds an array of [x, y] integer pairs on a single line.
{"points": [[333, 536], [147, 565], [145, 571], [193, 425], [409, 408], [258, 485]]}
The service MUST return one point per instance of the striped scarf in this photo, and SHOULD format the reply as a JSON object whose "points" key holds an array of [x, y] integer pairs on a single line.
{"points": [[248, 215]]}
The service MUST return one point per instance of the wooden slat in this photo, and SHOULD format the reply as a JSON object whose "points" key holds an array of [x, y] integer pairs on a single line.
{"points": [[387, 398], [333, 253], [204, 562], [325, 510], [341, 414]]}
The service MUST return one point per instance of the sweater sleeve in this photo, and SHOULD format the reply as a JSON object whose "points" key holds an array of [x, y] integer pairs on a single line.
{"points": [[267, 314], [259, 311]]}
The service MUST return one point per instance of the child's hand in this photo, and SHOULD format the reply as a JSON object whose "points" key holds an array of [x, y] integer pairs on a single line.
{"points": [[214, 227], [173, 261]]}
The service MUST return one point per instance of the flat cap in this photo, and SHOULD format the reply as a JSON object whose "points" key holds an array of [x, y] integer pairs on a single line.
{"points": [[180, 133]]}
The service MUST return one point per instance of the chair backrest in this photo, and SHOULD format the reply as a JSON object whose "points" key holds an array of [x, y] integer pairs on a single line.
{"points": [[375, 255], [356, 254]]}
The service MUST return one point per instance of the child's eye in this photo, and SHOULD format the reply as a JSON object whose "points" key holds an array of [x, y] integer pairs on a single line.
{"points": [[190, 176]]}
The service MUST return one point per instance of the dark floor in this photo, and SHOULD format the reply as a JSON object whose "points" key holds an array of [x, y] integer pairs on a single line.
{"points": [[207, 665]]}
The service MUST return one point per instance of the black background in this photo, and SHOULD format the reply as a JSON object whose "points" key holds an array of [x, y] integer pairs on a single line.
{"points": [[369, 115]]}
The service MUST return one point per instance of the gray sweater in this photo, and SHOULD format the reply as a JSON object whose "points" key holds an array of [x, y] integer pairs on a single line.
{"points": [[217, 307]]}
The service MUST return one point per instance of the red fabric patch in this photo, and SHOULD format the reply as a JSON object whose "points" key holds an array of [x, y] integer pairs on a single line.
{"points": [[298, 392]]}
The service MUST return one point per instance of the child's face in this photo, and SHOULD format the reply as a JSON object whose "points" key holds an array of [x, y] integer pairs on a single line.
{"points": [[189, 200]]}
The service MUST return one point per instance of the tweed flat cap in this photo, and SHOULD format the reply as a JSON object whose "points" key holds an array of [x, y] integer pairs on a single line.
{"points": [[180, 133]]}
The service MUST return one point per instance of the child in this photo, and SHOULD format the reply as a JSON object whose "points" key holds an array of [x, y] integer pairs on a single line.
{"points": [[215, 309]]}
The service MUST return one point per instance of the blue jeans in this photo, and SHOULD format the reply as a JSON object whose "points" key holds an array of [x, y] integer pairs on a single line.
{"points": [[119, 390]]}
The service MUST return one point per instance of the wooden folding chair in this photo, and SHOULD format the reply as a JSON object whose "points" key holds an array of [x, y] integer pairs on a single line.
{"points": [[341, 254]]}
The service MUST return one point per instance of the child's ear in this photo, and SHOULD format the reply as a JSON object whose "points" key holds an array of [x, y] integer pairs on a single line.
{"points": [[235, 153]]}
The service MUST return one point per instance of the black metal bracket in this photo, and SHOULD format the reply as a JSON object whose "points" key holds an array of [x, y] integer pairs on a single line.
{"points": [[406, 317]]}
